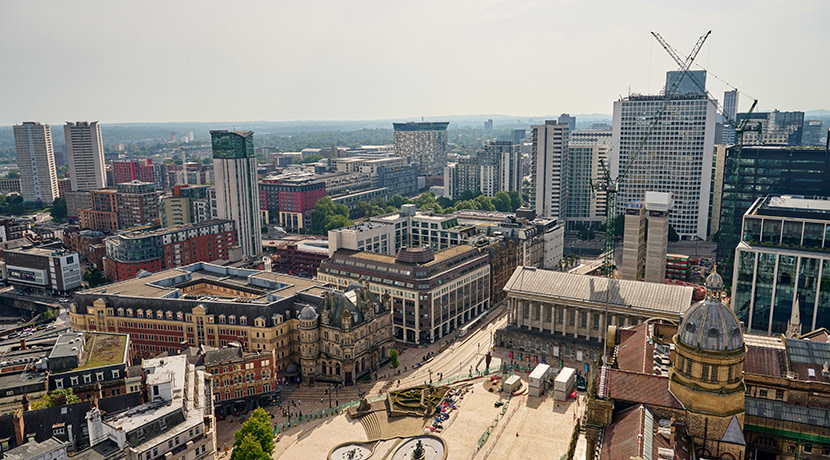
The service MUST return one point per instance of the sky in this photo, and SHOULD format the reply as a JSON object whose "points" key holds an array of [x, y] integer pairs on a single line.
{"points": [[160, 61]]}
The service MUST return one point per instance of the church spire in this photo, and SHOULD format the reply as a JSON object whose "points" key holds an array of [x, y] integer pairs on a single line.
{"points": [[794, 324]]}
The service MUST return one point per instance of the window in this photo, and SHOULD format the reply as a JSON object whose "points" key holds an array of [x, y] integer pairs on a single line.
{"points": [[808, 449], [762, 393], [99, 376], [779, 394], [73, 380], [58, 383], [88, 378]]}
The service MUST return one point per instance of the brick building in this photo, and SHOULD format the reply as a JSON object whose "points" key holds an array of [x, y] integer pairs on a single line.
{"points": [[141, 170], [103, 213], [297, 257], [160, 249], [242, 381], [290, 201], [89, 244]]}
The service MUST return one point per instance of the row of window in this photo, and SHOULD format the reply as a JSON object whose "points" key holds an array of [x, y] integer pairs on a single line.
{"points": [[87, 378]]}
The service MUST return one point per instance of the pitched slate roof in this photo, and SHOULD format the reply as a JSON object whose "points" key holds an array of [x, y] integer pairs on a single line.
{"points": [[641, 388]]}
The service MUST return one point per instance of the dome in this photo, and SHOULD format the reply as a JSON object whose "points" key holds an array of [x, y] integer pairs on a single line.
{"points": [[308, 313], [710, 325]]}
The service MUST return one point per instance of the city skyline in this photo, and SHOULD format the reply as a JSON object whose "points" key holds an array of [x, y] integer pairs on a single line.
{"points": [[129, 63]]}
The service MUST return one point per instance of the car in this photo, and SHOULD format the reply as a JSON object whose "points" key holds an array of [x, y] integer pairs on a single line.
{"points": [[498, 404], [63, 300]]}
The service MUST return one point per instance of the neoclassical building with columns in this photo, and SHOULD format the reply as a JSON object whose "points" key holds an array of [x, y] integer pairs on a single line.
{"points": [[565, 316]]}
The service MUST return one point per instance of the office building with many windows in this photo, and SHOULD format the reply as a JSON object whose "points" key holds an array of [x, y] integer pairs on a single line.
{"points": [[777, 128], [36, 162], [432, 293], [763, 170], [85, 155], [237, 192], [549, 162], [587, 151], [676, 158], [783, 261]]}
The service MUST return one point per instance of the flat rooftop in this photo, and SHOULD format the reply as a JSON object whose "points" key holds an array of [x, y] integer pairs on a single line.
{"points": [[100, 349], [793, 206], [440, 256], [163, 231]]}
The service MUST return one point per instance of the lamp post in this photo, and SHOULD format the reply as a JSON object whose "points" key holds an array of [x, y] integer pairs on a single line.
{"points": [[430, 376], [329, 396]]}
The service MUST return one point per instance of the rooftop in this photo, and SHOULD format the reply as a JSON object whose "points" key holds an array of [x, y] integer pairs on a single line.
{"points": [[792, 206], [100, 349], [440, 256], [34, 449], [163, 231], [649, 297]]}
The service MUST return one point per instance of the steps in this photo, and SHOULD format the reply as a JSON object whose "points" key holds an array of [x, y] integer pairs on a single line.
{"points": [[372, 425]]}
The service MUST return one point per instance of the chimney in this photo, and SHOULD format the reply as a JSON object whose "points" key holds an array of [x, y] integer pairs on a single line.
{"points": [[25, 402], [17, 421], [23, 343]]}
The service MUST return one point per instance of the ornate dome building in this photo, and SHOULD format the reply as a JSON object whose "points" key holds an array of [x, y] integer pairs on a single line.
{"points": [[707, 370]]}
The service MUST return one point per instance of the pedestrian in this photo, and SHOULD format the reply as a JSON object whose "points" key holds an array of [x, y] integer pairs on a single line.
{"points": [[321, 400], [517, 434], [299, 402]]}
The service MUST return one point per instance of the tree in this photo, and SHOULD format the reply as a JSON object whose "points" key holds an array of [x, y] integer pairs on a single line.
{"points": [[257, 431], [310, 159], [13, 174], [393, 357], [515, 200], [484, 203], [248, 449], [324, 212], [397, 201], [94, 277], [55, 398], [673, 236], [502, 202], [58, 211]]}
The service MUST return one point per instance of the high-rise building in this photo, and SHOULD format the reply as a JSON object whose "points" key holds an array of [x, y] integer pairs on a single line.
{"points": [[517, 135], [237, 193], [36, 162], [763, 170], [657, 206], [424, 143], [566, 118], [814, 133], [693, 83], [777, 128], [500, 165], [548, 194], [138, 204], [587, 149], [730, 107], [85, 155], [676, 158], [782, 261], [634, 236]]}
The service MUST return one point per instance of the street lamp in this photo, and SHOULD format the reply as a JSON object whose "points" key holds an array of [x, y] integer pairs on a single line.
{"points": [[329, 396], [430, 376]]}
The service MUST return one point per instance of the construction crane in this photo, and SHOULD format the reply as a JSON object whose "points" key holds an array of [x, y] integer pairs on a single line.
{"points": [[742, 127], [610, 185]]}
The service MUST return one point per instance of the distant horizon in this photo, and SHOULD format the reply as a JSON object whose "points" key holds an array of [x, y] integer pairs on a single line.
{"points": [[163, 62]]}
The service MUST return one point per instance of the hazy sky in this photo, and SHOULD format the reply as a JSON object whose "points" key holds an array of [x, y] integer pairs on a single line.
{"points": [[151, 61]]}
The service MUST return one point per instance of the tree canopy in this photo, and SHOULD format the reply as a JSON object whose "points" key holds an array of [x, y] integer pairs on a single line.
{"points": [[255, 440], [328, 216], [59, 211], [55, 398]]}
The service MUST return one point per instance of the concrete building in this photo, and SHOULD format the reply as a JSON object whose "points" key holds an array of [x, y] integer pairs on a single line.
{"points": [[85, 155], [36, 162], [588, 150], [499, 168], [177, 422], [89, 363], [8, 186], [657, 206], [51, 449], [730, 107], [549, 160], [432, 294], [237, 193], [129, 253], [389, 233], [634, 236], [138, 204], [43, 269], [75, 201], [781, 261], [566, 316], [664, 163], [189, 204], [424, 143]]}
